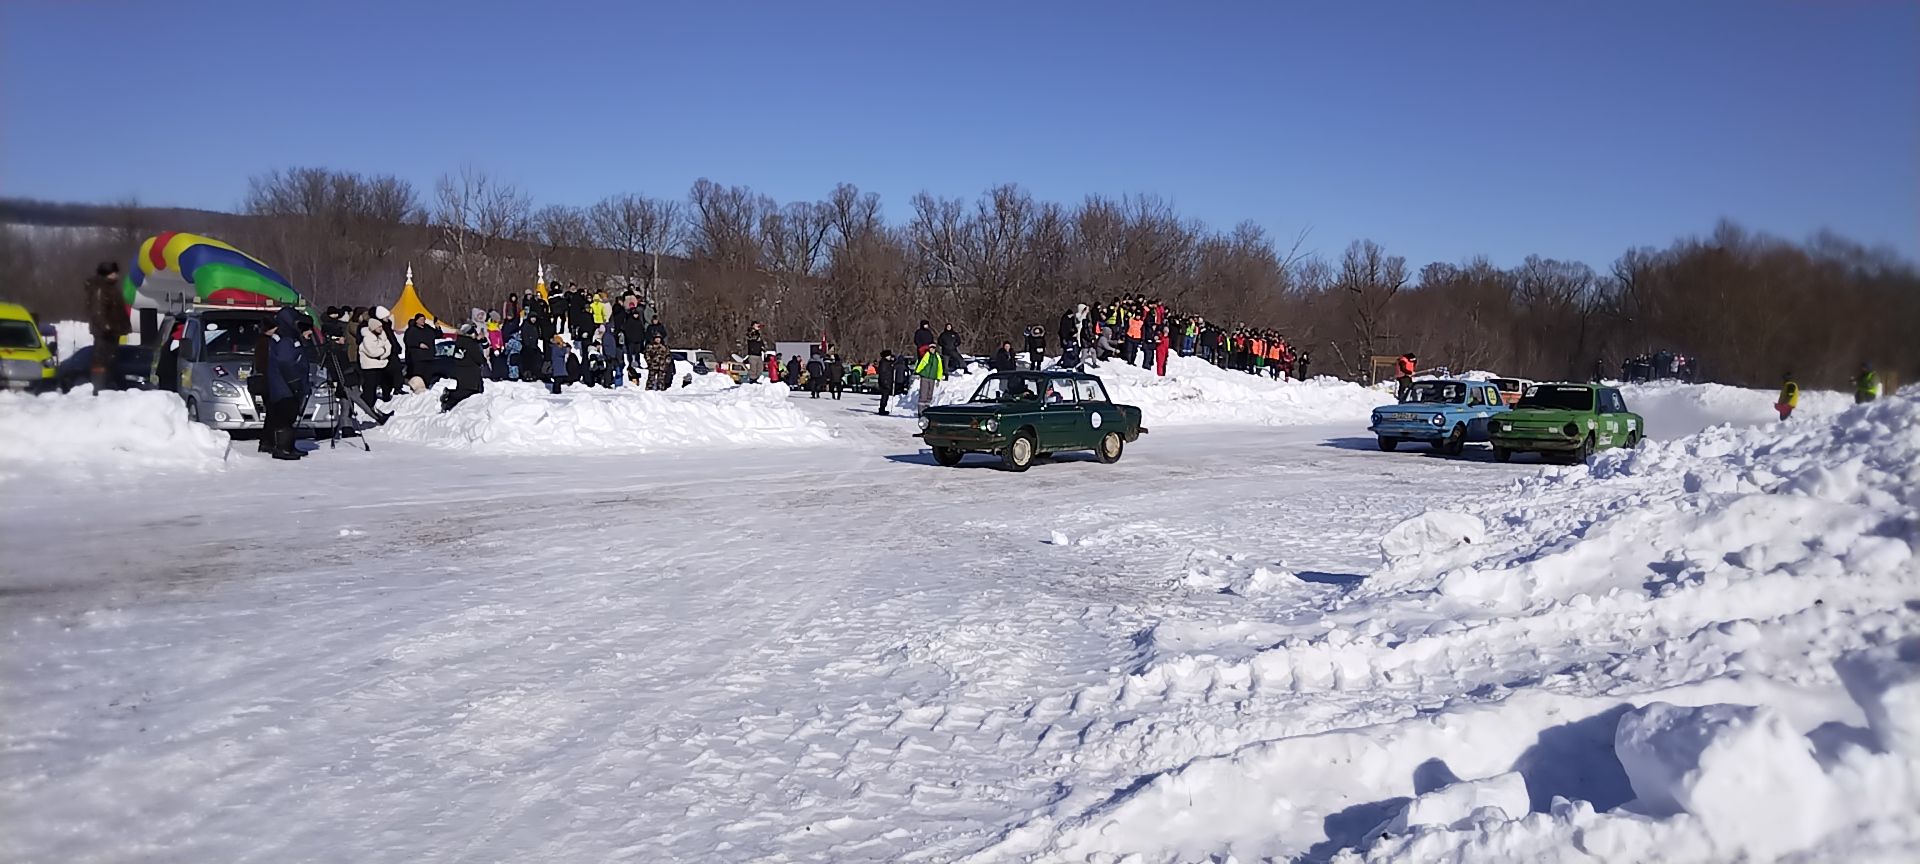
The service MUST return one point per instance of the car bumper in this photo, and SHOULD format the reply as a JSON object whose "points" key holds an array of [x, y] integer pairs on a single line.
{"points": [[233, 415], [1556, 442], [965, 439], [1409, 431]]}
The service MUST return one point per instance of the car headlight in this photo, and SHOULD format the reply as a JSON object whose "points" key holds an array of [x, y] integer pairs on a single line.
{"points": [[225, 390], [1497, 426], [923, 424], [48, 363], [992, 424], [1439, 420], [1571, 430]]}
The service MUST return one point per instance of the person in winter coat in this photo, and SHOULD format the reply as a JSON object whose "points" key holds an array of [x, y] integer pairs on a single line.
{"points": [[376, 351], [793, 371], [816, 375], [469, 354], [562, 367], [949, 342], [420, 338], [923, 338], [773, 366], [756, 345], [659, 365], [1073, 323], [1866, 385], [886, 373], [1036, 346], [106, 319], [288, 368], [930, 369], [656, 330], [836, 375], [1002, 358], [1789, 396], [1403, 374]]}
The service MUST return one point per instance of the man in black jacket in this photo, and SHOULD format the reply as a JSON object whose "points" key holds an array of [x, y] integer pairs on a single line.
{"points": [[886, 373], [950, 349], [420, 339], [816, 375], [836, 375], [468, 355], [656, 330], [630, 332], [923, 338], [1036, 346], [1003, 357], [756, 345]]}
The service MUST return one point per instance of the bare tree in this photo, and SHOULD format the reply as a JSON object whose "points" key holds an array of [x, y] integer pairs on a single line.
{"points": [[1369, 279], [479, 222]]}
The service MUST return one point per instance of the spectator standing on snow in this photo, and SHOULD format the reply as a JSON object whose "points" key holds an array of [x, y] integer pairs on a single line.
{"points": [[376, 351], [793, 371], [816, 375], [1300, 365], [923, 339], [756, 345], [1403, 374], [886, 373], [1036, 346], [1789, 396], [1866, 385], [106, 319], [420, 338], [469, 354], [949, 342], [656, 330], [630, 337], [836, 374], [931, 369], [288, 368], [659, 365], [1002, 358], [562, 367]]}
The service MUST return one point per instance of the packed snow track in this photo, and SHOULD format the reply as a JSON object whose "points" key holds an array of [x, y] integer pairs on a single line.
{"points": [[1266, 642]]}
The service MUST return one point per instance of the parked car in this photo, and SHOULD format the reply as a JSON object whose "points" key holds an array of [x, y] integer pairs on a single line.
{"points": [[1511, 389], [207, 358], [1024, 415], [26, 363], [1568, 420], [693, 357], [129, 370], [1444, 413]]}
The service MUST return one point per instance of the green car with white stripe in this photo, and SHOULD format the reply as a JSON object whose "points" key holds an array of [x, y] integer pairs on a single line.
{"points": [[1570, 421]]}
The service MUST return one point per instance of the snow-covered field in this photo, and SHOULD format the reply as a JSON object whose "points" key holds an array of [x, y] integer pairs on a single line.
{"points": [[1246, 641]]}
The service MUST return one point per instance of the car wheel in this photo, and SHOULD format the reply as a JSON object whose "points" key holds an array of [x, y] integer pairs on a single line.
{"points": [[1020, 453], [1388, 444], [193, 410], [1585, 452], [1502, 454], [1456, 440], [948, 456], [1111, 446], [1633, 441]]}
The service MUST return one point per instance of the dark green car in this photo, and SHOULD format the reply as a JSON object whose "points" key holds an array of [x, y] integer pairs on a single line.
{"points": [[1023, 415], [1568, 420]]}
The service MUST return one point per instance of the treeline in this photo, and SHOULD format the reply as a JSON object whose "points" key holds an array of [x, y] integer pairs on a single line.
{"points": [[1747, 306]]}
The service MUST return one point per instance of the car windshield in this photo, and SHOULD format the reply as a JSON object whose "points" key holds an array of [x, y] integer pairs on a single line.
{"points": [[233, 337], [15, 333], [1007, 388], [1443, 392], [1507, 385], [1558, 398]]}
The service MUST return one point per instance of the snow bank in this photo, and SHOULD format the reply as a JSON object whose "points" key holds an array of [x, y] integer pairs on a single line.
{"points": [[1707, 649], [1195, 392], [1674, 410], [524, 418], [116, 430]]}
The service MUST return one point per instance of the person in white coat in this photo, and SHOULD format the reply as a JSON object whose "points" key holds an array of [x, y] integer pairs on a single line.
{"points": [[376, 352]]}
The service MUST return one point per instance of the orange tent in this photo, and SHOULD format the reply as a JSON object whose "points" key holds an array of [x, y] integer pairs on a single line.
{"points": [[409, 305]]}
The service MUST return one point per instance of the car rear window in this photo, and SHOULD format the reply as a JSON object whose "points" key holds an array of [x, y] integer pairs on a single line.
{"points": [[1558, 398]]}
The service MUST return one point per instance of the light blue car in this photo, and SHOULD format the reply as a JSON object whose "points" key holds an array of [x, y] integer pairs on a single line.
{"points": [[1444, 413]]}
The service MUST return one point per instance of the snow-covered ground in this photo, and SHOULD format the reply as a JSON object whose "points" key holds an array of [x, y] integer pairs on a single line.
{"points": [[1249, 641]]}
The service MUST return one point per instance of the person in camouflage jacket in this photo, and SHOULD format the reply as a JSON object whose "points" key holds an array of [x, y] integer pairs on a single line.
{"points": [[659, 365]]}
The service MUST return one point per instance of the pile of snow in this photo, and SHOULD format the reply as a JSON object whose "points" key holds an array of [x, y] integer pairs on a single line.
{"points": [[1674, 409], [1196, 392], [1704, 650], [118, 429], [513, 417]]}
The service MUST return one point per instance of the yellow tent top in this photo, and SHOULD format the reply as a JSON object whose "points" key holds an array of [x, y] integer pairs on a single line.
{"points": [[409, 305]]}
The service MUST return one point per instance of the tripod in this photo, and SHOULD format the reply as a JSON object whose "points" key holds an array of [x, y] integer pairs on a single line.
{"points": [[342, 415]]}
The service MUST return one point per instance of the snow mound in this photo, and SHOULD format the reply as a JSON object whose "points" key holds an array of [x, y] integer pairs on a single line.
{"points": [[1707, 649], [524, 418], [1195, 392], [1674, 409], [116, 430]]}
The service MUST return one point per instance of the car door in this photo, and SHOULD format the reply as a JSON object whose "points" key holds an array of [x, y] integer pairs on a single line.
{"points": [[1480, 401], [1063, 420], [1101, 416], [1612, 430]]}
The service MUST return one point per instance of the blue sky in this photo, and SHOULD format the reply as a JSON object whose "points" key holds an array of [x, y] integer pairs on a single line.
{"points": [[1440, 129]]}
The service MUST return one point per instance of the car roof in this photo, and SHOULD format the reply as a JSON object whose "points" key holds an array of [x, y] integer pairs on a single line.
{"points": [[1571, 384], [15, 311], [1047, 373]]}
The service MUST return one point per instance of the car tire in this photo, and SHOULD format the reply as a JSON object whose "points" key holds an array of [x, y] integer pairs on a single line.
{"points": [[1633, 441], [1585, 452], [1456, 442], [193, 410], [1111, 446], [1020, 453], [948, 456], [1502, 454], [1388, 444]]}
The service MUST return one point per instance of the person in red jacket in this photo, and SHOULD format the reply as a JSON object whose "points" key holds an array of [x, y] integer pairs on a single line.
{"points": [[1403, 373]]}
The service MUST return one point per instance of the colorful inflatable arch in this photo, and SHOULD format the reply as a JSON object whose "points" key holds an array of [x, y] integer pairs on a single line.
{"points": [[172, 266]]}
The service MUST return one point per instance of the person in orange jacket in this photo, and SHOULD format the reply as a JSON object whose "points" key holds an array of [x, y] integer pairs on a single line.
{"points": [[1403, 374]]}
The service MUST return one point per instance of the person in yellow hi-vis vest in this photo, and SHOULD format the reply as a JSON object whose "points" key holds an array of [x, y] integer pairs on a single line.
{"points": [[1789, 396], [1866, 386]]}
